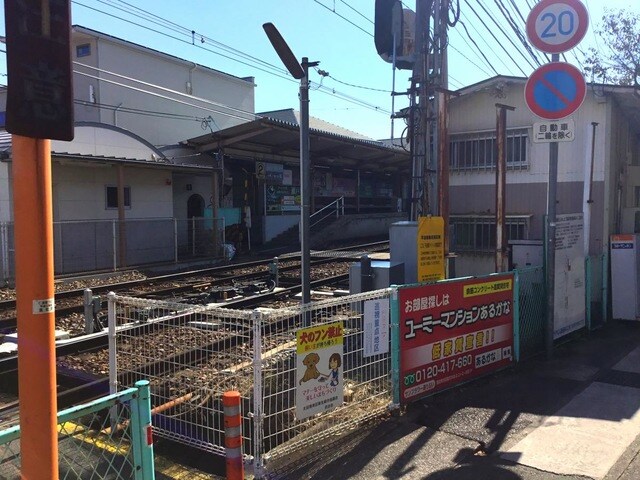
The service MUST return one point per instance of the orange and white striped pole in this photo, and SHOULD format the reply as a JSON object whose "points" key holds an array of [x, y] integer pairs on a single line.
{"points": [[233, 435]]}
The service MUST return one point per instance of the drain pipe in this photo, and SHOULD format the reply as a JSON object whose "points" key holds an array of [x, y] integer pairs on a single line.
{"points": [[589, 192]]}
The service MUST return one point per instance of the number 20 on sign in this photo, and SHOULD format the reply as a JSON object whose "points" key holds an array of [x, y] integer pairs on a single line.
{"points": [[555, 26]]}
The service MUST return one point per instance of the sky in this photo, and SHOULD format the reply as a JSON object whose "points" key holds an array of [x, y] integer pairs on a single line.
{"points": [[356, 94]]}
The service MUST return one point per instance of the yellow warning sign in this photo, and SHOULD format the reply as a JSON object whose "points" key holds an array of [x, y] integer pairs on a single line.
{"points": [[430, 249]]}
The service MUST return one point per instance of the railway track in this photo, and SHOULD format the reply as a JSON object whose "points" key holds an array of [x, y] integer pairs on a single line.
{"points": [[71, 301], [74, 388]]}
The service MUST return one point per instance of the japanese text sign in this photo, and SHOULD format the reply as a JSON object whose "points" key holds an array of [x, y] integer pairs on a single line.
{"points": [[452, 332], [375, 327], [554, 131], [318, 369], [39, 78], [430, 249]]}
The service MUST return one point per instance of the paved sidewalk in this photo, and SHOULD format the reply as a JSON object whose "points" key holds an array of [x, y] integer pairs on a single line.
{"points": [[576, 416]]}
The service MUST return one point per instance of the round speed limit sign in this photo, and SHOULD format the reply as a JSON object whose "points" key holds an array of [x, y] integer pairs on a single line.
{"points": [[555, 26]]}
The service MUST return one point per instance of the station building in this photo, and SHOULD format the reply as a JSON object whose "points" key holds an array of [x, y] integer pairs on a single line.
{"points": [[198, 168]]}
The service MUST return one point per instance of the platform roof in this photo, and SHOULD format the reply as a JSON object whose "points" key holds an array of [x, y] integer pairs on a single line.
{"points": [[273, 140]]}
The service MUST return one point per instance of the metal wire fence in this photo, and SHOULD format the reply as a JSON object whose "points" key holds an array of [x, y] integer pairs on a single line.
{"points": [[90, 245], [192, 355], [366, 381], [103, 439]]}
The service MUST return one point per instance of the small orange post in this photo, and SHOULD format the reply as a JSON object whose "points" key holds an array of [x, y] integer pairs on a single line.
{"points": [[233, 435], [33, 217]]}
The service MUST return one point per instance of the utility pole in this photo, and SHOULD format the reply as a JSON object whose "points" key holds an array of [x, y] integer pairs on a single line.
{"points": [[502, 259], [420, 112]]}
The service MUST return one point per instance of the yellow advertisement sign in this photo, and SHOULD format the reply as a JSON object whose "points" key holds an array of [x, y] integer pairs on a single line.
{"points": [[485, 288], [430, 249]]}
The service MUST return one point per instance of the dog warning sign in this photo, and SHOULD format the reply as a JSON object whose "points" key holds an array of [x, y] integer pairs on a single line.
{"points": [[318, 369]]}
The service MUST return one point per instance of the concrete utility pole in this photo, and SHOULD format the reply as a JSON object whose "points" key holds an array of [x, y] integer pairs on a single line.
{"points": [[428, 122], [419, 116]]}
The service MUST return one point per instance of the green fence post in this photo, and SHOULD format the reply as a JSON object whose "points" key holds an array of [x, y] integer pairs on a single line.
{"points": [[395, 346], [587, 291], [136, 435], [141, 432], [516, 315], [605, 286]]}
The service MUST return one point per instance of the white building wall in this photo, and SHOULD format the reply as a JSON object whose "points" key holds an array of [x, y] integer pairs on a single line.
{"points": [[105, 142], [477, 112], [199, 85], [79, 192], [200, 185]]}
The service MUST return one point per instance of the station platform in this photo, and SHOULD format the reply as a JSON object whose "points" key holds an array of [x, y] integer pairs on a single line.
{"points": [[574, 417]]}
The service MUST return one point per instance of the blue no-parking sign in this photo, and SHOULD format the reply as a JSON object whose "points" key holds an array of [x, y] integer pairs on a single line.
{"points": [[555, 90]]}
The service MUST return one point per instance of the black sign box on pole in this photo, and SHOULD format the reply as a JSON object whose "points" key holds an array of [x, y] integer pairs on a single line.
{"points": [[39, 75]]}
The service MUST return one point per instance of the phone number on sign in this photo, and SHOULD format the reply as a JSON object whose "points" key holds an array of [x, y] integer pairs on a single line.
{"points": [[439, 369]]}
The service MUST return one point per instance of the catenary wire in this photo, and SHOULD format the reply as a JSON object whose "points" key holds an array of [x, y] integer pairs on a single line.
{"points": [[284, 76]]}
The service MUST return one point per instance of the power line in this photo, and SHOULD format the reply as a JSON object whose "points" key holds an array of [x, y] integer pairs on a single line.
{"points": [[344, 18], [477, 47], [482, 37], [494, 36], [164, 97], [280, 73], [516, 29], [164, 89], [137, 111], [359, 13], [469, 60]]}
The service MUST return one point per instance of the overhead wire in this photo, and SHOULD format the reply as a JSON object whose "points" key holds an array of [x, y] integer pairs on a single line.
{"points": [[344, 18], [477, 47], [280, 73], [358, 12], [482, 37], [500, 44], [516, 29]]}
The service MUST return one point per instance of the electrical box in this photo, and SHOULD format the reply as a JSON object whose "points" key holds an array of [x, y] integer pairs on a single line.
{"points": [[625, 266], [385, 274], [403, 246], [526, 253]]}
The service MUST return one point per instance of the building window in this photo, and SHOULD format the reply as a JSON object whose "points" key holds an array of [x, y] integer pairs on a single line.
{"points": [[83, 50], [478, 151], [477, 233], [111, 194]]}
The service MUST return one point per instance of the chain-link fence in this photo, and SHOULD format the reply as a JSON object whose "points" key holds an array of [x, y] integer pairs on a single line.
{"points": [[192, 355], [200, 237], [287, 441], [531, 312], [81, 246], [103, 439]]}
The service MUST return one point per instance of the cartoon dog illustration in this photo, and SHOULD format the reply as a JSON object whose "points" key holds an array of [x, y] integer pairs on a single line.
{"points": [[311, 373]]}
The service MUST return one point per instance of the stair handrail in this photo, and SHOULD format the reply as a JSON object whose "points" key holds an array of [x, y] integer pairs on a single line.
{"points": [[336, 207]]}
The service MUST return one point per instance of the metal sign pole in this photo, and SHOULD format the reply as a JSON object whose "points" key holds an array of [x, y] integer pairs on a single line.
{"points": [[550, 259], [305, 184]]}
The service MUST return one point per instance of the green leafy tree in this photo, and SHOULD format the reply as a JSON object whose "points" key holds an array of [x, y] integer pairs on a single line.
{"points": [[617, 56]]}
